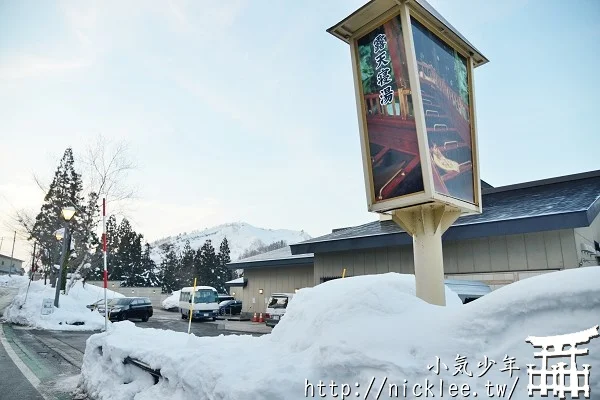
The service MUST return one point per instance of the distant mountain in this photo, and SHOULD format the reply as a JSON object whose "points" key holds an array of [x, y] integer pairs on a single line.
{"points": [[240, 235]]}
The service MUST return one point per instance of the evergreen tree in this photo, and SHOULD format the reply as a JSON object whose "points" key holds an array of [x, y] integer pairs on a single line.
{"points": [[169, 270], [129, 256], [186, 268], [151, 278], [208, 264], [96, 271], [64, 191], [223, 273], [113, 243]]}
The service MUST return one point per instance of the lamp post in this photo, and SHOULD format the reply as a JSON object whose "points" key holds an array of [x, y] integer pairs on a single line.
{"points": [[67, 213]]}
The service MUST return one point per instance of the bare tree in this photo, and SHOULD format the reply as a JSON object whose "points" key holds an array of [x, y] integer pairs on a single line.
{"points": [[106, 166]]}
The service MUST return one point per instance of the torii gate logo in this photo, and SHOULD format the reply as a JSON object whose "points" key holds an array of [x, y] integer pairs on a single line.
{"points": [[558, 372]]}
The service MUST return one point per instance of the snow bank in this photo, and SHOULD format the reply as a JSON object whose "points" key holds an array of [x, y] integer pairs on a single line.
{"points": [[9, 288], [26, 308], [356, 330], [172, 301], [13, 280]]}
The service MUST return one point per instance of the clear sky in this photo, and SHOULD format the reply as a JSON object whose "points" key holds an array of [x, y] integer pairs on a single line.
{"points": [[245, 110]]}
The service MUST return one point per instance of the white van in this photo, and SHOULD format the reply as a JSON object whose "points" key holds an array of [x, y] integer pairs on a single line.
{"points": [[276, 307], [205, 306]]}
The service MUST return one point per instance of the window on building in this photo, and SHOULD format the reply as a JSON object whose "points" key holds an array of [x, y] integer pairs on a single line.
{"points": [[329, 278]]}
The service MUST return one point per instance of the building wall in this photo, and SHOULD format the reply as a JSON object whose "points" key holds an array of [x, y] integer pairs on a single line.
{"points": [[153, 293], [271, 280], [588, 235], [6, 262], [502, 259]]}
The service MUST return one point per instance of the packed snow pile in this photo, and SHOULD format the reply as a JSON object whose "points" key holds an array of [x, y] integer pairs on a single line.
{"points": [[72, 314], [15, 281], [171, 302], [9, 288], [368, 334]]}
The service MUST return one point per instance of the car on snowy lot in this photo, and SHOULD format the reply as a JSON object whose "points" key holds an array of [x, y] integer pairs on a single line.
{"points": [[276, 307], [128, 308], [95, 305], [230, 307]]}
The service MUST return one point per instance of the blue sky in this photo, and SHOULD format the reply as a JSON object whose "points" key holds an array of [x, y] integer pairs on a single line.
{"points": [[245, 110]]}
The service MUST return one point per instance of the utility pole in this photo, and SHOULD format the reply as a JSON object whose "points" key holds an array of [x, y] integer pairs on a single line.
{"points": [[12, 253], [32, 270], [46, 267]]}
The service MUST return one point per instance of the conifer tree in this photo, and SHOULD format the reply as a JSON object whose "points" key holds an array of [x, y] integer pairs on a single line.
{"points": [[64, 191], [129, 256], [223, 273], [208, 265], [187, 270], [150, 276], [169, 270]]}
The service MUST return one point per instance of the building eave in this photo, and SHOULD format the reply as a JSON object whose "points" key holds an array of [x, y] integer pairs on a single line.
{"points": [[515, 226]]}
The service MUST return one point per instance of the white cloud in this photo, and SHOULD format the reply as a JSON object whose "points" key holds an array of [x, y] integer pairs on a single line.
{"points": [[30, 66]]}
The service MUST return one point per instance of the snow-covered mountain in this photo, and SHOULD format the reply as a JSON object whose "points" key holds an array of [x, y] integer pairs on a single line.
{"points": [[240, 235]]}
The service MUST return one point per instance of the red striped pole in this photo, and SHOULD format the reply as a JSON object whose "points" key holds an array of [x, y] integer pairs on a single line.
{"points": [[105, 262]]}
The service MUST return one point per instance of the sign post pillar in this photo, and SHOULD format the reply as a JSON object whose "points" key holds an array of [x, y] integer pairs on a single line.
{"points": [[426, 224], [413, 78]]}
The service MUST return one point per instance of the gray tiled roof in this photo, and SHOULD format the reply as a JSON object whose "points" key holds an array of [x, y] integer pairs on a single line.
{"points": [[282, 255], [558, 203]]}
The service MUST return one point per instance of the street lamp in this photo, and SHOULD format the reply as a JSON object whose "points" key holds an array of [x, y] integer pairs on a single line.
{"points": [[67, 213]]}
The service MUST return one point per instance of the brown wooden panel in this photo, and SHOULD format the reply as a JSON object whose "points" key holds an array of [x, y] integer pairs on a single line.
{"points": [[359, 263], [568, 247], [517, 257], [498, 253], [536, 251], [394, 259], [553, 250], [481, 255], [466, 263], [450, 257], [381, 260], [407, 260]]}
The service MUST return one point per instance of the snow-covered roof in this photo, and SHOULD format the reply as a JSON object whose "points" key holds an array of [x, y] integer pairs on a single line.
{"points": [[551, 204], [278, 257], [237, 281]]}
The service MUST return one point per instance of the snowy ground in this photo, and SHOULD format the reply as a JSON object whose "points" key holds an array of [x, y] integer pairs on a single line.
{"points": [[72, 314], [172, 301], [359, 332]]}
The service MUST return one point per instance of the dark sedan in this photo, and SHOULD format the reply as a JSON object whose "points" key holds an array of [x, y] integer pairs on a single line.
{"points": [[230, 307], [128, 307]]}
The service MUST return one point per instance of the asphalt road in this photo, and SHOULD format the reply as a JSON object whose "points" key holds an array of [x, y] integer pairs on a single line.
{"points": [[55, 357]]}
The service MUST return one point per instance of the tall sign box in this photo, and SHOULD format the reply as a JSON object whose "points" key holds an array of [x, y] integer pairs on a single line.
{"points": [[413, 75]]}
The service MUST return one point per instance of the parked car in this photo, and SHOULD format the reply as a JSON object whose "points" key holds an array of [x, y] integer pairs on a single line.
{"points": [[128, 307], [230, 307], [276, 307], [223, 297], [95, 305]]}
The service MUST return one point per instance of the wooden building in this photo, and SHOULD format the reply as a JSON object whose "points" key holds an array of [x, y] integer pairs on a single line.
{"points": [[525, 230]]}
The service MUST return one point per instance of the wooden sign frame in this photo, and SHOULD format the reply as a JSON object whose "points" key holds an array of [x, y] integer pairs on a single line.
{"points": [[368, 18]]}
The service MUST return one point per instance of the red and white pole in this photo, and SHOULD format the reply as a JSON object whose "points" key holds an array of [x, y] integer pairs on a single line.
{"points": [[105, 263]]}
